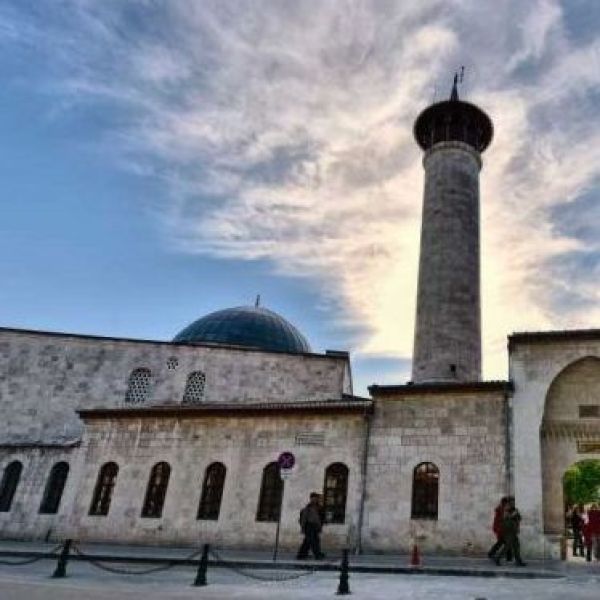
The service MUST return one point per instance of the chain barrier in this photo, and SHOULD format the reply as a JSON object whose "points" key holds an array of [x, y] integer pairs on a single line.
{"points": [[164, 567], [264, 578], [30, 561]]}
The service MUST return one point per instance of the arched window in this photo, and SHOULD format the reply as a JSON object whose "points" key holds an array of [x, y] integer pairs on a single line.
{"points": [[140, 382], [54, 488], [194, 388], [103, 491], [10, 481], [271, 492], [212, 492], [335, 490], [426, 478], [156, 490]]}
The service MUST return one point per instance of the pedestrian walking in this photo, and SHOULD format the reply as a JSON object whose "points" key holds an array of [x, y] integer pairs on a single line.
{"points": [[311, 523], [511, 524], [497, 528], [577, 527]]}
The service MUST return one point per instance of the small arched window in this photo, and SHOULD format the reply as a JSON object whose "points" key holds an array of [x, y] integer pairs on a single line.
{"points": [[54, 488], [10, 481], [335, 491], [212, 492], [271, 492], [194, 388], [140, 382], [156, 490], [426, 480], [103, 491]]}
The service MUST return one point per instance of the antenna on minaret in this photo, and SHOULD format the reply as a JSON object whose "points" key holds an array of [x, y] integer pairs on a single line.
{"points": [[257, 302]]}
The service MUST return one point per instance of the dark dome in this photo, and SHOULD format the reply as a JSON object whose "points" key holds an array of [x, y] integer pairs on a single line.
{"points": [[252, 326]]}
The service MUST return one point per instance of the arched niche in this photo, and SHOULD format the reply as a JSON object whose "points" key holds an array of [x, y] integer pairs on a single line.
{"points": [[570, 432]]}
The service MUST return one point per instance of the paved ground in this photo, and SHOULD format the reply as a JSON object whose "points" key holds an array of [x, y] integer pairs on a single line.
{"points": [[577, 579], [85, 582]]}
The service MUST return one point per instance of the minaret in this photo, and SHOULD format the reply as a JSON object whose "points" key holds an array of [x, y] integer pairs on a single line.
{"points": [[453, 134]]}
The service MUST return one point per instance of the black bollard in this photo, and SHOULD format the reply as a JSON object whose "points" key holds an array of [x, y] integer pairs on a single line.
{"points": [[63, 557], [343, 587], [200, 580]]}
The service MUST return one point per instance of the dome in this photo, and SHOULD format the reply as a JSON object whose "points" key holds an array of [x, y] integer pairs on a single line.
{"points": [[251, 326]]}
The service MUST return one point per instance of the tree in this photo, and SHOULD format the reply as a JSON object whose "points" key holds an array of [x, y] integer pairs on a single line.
{"points": [[582, 482]]}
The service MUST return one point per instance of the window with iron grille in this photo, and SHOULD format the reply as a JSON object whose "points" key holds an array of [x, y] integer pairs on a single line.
{"points": [[212, 492], [426, 478], [54, 488], [156, 490], [194, 388], [103, 491], [140, 382], [271, 491], [10, 482], [335, 491]]}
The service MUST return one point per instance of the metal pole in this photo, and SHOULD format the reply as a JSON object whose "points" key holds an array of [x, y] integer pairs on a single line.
{"points": [[200, 580], [61, 566], [343, 587], [278, 522]]}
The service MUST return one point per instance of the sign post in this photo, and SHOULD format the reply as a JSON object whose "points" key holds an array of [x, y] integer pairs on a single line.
{"points": [[286, 462]]}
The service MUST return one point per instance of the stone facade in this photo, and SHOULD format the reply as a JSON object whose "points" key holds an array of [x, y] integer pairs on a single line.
{"points": [[463, 431], [189, 443], [553, 373], [46, 377], [448, 321]]}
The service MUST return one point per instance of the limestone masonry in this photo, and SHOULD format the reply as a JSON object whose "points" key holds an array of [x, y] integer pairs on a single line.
{"points": [[160, 442]]}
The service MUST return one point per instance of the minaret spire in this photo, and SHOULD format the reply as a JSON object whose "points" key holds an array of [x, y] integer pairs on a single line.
{"points": [[458, 78]]}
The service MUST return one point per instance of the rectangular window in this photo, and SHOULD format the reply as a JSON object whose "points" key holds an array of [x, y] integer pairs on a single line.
{"points": [[589, 411]]}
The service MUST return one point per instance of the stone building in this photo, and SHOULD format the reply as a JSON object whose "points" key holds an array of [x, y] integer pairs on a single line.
{"points": [[176, 442]]}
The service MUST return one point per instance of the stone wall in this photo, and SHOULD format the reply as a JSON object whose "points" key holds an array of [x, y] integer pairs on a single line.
{"points": [[45, 377], [23, 521], [464, 435], [243, 444], [535, 361], [448, 322]]}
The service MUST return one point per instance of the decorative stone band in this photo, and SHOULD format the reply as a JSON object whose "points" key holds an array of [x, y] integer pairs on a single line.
{"points": [[572, 429], [441, 388], [453, 146], [239, 409]]}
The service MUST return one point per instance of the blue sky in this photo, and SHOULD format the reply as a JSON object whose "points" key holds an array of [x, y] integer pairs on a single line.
{"points": [[161, 160]]}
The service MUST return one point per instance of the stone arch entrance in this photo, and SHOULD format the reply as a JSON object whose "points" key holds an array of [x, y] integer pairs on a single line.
{"points": [[570, 432]]}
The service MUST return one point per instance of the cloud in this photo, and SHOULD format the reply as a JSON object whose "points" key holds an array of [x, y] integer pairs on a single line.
{"points": [[283, 131]]}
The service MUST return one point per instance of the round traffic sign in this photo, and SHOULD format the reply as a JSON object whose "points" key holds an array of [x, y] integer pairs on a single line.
{"points": [[286, 461]]}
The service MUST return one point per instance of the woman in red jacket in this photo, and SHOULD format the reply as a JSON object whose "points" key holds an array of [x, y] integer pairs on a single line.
{"points": [[497, 529]]}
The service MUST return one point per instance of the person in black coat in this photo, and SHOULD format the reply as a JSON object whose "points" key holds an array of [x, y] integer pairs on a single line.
{"points": [[311, 523]]}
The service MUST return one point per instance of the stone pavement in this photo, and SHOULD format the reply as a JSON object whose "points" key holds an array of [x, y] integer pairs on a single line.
{"points": [[366, 563]]}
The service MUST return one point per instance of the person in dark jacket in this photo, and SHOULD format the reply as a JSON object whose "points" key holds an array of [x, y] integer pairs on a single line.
{"points": [[311, 523], [577, 527], [511, 524], [497, 529]]}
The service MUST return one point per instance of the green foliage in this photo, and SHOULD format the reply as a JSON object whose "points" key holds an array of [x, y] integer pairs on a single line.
{"points": [[582, 482]]}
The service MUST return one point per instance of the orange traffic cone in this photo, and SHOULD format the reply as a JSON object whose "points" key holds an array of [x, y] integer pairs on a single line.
{"points": [[415, 558]]}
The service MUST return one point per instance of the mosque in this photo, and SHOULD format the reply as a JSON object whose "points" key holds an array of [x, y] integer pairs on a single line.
{"points": [[176, 442]]}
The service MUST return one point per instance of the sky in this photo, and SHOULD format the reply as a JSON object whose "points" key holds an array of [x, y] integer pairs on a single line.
{"points": [[164, 159]]}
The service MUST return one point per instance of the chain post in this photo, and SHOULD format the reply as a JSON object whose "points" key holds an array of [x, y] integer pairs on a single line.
{"points": [[200, 580], [63, 558], [343, 587]]}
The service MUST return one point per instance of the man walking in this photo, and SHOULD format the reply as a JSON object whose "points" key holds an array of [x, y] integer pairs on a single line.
{"points": [[311, 523], [510, 532]]}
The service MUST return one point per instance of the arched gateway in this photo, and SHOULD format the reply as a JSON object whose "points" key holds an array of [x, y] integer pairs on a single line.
{"points": [[570, 432]]}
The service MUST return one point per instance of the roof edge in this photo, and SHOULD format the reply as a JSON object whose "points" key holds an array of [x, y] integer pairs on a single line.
{"points": [[413, 389], [337, 355], [362, 406], [533, 337]]}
